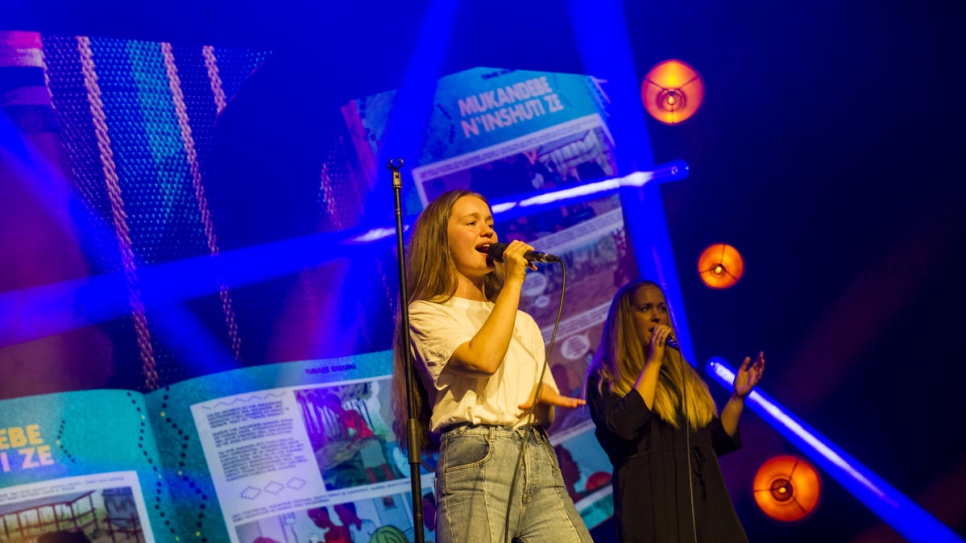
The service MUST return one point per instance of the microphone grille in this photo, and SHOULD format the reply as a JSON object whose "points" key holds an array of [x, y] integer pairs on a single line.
{"points": [[496, 251]]}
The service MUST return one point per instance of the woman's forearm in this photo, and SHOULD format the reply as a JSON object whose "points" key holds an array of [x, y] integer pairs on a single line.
{"points": [[731, 413]]}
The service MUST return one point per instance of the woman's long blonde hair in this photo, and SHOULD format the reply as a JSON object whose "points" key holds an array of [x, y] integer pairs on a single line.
{"points": [[620, 360], [430, 275]]}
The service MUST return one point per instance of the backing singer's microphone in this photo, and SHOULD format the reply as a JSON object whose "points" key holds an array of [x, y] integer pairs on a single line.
{"points": [[496, 253], [669, 341]]}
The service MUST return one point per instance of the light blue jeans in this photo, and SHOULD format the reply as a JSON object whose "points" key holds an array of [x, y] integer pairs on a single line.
{"points": [[473, 478]]}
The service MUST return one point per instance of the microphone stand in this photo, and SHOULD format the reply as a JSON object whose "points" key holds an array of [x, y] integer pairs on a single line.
{"points": [[414, 453]]}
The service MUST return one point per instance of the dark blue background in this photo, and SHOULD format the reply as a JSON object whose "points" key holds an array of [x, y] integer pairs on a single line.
{"points": [[828, 151]]}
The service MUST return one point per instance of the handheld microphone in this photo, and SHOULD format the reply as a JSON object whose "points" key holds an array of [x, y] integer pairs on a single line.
{"points": [[669, 341], [496, 253]]}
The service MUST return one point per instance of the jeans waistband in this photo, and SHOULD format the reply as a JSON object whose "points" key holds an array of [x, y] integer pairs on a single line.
{"points": [[519, 432]]}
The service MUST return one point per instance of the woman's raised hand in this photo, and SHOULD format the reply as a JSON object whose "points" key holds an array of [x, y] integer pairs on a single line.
{"points": [[748, 375], [657, 343], [514, 263]]}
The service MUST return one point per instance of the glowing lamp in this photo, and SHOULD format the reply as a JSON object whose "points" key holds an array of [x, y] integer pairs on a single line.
{"points": [[672, 91], [787, 488], [720, 266]]}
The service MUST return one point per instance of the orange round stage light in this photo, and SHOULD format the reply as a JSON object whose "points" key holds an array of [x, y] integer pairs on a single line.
{"points": [[720, 266], [672, 91], [787, 488]]}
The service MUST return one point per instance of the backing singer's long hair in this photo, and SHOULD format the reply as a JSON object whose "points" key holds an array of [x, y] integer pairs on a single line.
{"points": [[620, 360], [430, 276]]}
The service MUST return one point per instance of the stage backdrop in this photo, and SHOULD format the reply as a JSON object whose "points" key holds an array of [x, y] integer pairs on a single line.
{"points": [[250, 400]]}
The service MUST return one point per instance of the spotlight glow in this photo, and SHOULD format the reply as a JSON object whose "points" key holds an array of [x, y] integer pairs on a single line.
{"points": [[672, 91], [894, 508]]}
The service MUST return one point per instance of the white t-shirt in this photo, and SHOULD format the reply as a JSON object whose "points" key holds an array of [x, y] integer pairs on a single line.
{"points": [[437, 329]]}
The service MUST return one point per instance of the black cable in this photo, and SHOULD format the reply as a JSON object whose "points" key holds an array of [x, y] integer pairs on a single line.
{"points": [[687, 444], [533, 404]]}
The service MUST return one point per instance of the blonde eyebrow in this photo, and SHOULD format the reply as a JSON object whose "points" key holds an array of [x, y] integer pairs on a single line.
{"points": [[476, 215]]}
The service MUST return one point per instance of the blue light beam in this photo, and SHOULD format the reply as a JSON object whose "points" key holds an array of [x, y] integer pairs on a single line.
{"points": [[46, 310], [539, 201], [905, 516]]}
